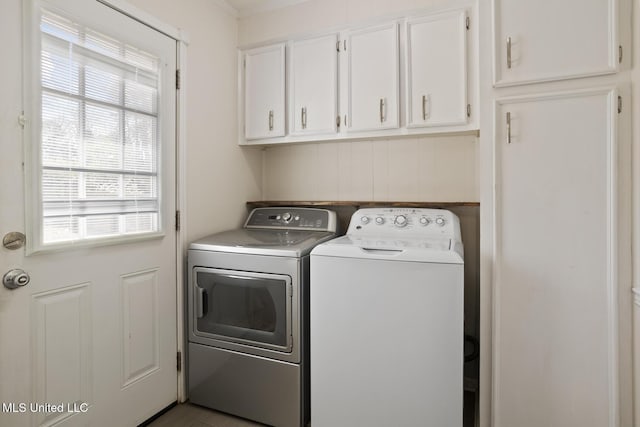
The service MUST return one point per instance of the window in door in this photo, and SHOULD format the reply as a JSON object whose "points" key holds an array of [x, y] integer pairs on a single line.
{"points": [[98, 147]]}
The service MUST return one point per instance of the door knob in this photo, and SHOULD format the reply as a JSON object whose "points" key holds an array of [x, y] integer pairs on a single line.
{"points": [[15, 278]]}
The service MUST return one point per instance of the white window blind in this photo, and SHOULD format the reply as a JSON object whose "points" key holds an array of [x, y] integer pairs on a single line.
{"points": [[99, 146]]}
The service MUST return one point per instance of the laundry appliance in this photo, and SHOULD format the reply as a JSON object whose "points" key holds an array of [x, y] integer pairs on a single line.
{"points": [[387, 322], [248, 308]]}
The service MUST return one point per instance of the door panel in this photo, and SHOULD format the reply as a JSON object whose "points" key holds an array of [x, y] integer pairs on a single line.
{"points": [[264, 92], [578, 38], [95, 325], [437, 70], [556, 271], [314, 85], [373, 78]]}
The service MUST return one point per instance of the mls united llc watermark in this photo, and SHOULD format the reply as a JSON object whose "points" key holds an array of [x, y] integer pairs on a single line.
{"points": [[22, 407]]}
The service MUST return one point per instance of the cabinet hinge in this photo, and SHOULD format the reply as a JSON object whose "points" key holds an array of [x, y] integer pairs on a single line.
{"points": [[620, 54], [344, 122], [467, 23], [619, 104], [179, 361], [338, 120], [468, 110], [22, 120], [177, 220], [178, 79], [344, 44], [338, 46]]}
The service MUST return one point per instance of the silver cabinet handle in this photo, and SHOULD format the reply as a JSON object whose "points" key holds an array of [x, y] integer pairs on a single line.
{"points": [[426, 106], [382, 110], [509, 127], [508, 52], [270, 119], [303, 117]]}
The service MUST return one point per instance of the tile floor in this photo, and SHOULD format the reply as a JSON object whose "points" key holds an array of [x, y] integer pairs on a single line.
{"points": [[189, 415]]}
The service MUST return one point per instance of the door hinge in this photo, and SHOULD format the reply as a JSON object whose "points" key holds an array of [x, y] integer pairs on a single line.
{"points": [[338, 46], [179, 361], [619, 104], [344, 44], [467, 23], [620, 54], [338, 120], [22, 120], [178, 79], [468, 110], [177, 220]]}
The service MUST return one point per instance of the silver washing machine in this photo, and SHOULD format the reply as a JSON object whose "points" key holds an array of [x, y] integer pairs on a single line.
{"points": [[248, 308]]}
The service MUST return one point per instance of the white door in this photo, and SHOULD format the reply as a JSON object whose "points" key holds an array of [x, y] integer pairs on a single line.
{"points": [[437, 70], [559, 232], [91, 339], [264, 92], [313, 85], [372, 86], [551, 40]]}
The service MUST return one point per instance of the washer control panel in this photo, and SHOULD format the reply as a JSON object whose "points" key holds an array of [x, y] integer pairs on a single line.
{"points": [[407, 222], [292, 218]]}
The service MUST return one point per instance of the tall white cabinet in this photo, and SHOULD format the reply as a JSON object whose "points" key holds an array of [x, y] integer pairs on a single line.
{"points": [[555, 211], [556, 279]]}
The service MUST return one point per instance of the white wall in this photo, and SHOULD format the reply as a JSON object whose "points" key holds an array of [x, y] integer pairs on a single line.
{"points": [[221, 176], [414, 169]]}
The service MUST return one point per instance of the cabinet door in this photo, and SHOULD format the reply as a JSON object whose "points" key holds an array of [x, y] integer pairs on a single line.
{"points": [[556, 267], [313, 85], [552, 40], [264, 92], [437, 70], [372, 86]]}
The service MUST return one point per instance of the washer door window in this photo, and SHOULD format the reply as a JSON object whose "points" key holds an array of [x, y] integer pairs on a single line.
{"points": [[243, 307]]}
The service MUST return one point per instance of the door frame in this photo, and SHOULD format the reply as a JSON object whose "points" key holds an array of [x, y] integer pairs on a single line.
{"points": [[182, 42]]}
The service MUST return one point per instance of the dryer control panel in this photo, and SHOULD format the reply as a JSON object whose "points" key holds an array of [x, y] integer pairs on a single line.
{"points": [[405, 223], [292, 218]]}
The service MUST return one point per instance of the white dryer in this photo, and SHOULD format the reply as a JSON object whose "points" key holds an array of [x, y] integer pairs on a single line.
{"points": [[387, 322]]}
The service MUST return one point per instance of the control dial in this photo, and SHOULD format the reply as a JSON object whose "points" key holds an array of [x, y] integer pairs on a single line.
{"points": [[379, 220], [440, 221], [400, 221], [424, 220], [365, 220], [286, 217]]}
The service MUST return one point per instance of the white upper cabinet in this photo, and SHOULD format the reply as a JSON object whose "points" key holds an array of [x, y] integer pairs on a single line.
{"points": [[552, 40], [372, 67], [313, 85], [436, 70], [264, 92]]}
